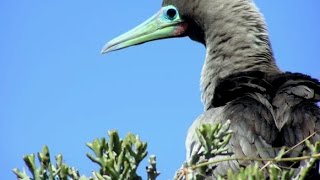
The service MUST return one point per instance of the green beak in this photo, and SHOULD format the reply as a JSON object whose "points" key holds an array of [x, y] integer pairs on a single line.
{"points": [[164, 24]]}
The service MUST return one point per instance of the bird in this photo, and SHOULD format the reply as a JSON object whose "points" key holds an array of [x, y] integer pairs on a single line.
{"points": [[240, 80]]}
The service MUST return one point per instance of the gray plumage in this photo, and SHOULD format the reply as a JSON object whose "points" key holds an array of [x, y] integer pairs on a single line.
{"points": [[240, 80]]}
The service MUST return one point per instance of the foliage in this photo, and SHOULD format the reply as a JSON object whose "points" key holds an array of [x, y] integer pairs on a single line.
{"points": [[214, 138], [119, 159], [47, 170]]}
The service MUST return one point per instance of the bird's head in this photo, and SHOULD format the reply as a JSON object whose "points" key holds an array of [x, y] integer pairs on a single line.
{"points": [[174, 19]]}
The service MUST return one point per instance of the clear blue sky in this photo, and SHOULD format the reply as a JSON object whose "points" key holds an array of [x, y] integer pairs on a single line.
{"points": [[57, 89]]}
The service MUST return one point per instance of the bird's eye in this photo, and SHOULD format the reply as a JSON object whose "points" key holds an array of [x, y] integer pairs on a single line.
{"points": [[171, 13]]}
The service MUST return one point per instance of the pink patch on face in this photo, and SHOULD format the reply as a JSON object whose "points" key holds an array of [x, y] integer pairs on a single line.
{"points": [[180, 29]]}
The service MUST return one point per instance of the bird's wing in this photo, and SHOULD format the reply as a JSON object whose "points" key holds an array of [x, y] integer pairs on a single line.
{"points": [[265, 112], [297, 114]]}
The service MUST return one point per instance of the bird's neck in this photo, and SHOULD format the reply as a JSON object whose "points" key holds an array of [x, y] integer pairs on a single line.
{"points": [[236, 40]]}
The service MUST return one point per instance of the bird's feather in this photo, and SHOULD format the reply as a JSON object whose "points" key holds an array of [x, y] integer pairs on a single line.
{"points": [[266, 112]]}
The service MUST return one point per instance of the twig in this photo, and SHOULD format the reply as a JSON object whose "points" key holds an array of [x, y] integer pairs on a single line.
{"points": [[290, 149], [256, 159]]}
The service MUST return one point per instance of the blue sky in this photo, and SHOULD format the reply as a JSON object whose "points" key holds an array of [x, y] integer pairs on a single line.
{"points": [[57, 89]]}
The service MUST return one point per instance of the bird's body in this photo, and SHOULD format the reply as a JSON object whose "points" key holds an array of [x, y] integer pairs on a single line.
{"points": [[240, 80], [266, 113]]}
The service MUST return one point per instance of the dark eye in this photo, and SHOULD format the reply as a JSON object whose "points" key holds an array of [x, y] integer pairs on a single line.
{"points": [[171, 13]]}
